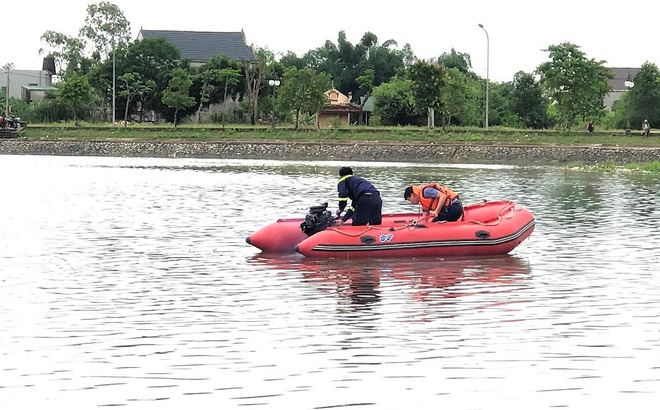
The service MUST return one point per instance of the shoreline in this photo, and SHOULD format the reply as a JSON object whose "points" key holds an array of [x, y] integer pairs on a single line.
{"points": [[361, 151]]}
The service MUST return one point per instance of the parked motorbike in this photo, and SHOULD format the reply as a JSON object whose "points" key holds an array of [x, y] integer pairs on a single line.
{"points": [[12, 122]]}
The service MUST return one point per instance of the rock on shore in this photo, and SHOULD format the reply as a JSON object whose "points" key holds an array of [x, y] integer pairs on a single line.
{"points": [[417, 152]]}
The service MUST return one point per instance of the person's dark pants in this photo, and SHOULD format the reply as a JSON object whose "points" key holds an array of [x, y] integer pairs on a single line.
{"points": [[368, 210], [452, 213]]}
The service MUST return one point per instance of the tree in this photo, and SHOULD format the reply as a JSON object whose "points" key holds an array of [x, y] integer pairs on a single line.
{"points": [[223, 63], [254, 76], [576, 84], [67, 52], [366, 82], [499, 105], [303, 91], [209, 77], [176, 95], [394, 104], [230, 77], [459, 98], [457, 60], [427, 83], [75, 93], [106, 27], [345, 62], [645, 95], [152, 58], [290, 59], [218, 77], [132, 85], [382, 63], [528, 102]]}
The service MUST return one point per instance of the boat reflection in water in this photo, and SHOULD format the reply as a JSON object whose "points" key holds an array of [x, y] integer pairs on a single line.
{"points": [[431, 280]]}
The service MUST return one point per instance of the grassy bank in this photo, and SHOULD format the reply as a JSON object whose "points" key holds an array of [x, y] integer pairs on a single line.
{"points": [[609, 166], [396, 135]]}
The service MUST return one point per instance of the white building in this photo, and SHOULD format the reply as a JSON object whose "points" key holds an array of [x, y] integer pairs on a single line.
{"points": [[18, 80]]}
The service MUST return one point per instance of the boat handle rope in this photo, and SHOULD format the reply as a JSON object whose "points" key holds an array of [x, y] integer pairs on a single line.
{"points": [[510, 209], [415, 223]]}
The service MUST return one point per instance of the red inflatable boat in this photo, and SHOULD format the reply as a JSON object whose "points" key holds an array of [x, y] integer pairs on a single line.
{"points": [[488, 228]]}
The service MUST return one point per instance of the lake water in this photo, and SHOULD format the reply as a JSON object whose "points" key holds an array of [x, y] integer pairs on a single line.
{"points": [[127, 283]]}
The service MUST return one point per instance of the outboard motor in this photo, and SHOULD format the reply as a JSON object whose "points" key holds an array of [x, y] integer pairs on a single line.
{"points": [[317, 219]]}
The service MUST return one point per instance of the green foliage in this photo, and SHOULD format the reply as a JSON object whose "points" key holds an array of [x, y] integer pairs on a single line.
{"points": [[366, 80], [106, 27], [302, 91], [176, 95], [621, 111], [528, 102], [229, 78], [153, 59], [645, 96], [76, 93], [649, 167], [48, 110], [611, 166], [345, 62], [290, 59], [209, 79], [574, 84], [577, 85], [427, 82], [499, 106], [459, 98], [132, 85], [394, 104], [68, 53], [18, 107], [460, 61]]}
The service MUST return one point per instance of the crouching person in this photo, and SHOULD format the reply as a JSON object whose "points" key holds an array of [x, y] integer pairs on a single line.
{"points": [[436, 200]]}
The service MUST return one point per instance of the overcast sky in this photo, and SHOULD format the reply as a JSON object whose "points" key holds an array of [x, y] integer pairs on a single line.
{"points": [[519, 30]]}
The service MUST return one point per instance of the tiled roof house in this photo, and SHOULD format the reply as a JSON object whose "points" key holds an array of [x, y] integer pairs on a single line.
{"points": [[338, 110], [200, 46]]}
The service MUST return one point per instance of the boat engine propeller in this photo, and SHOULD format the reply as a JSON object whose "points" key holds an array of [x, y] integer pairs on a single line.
{"points": [[317, 219]]}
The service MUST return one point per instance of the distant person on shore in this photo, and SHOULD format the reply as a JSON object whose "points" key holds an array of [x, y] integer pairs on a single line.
{"points": [[646, 128], [366, 205], [590, 126], [436, 200]]}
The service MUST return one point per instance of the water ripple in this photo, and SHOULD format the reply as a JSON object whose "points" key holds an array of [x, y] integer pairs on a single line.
{"points": [[133, 287]]}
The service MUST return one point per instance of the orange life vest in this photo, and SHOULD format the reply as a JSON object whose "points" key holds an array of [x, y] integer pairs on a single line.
{"points": [[429, 204]]}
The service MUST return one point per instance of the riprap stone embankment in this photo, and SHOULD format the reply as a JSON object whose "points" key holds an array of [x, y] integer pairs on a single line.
{"points": [[415, 152]]}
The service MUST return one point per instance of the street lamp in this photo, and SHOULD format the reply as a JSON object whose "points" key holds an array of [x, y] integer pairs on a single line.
{"points": [[487, 69], [7, 67], [629, 84], [273, 83]]}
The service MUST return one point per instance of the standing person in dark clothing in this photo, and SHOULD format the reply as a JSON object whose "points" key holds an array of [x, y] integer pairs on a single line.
{"points": [[366, 205]]}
